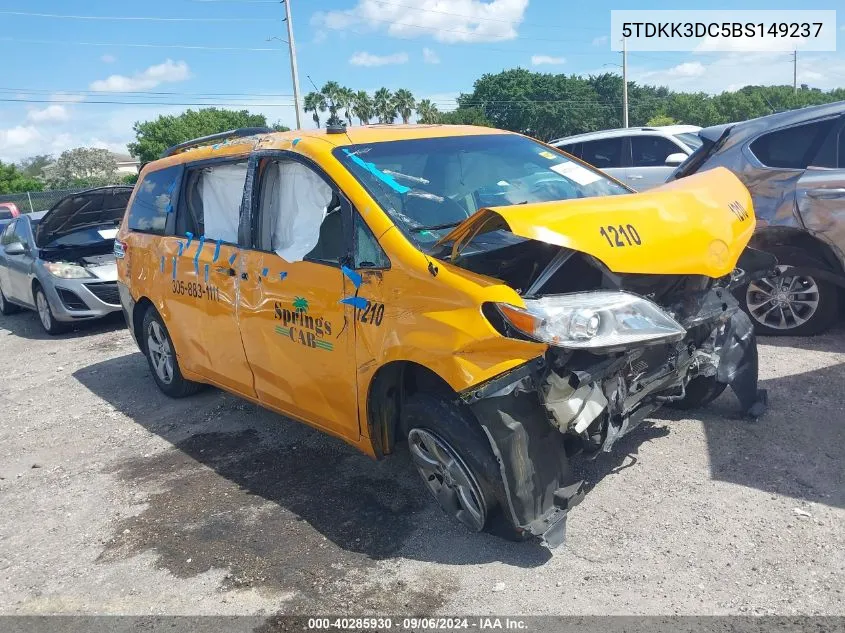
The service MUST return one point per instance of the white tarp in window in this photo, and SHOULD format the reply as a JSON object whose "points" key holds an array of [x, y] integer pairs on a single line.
{"points": [[295, 206], [222, 189]]}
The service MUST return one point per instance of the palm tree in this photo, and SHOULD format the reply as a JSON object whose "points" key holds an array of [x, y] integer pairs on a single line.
{"points": [[345, 100], [362, 107], [403, 102], [384, 105], [332, 92], [427, 112], [314, 102]]}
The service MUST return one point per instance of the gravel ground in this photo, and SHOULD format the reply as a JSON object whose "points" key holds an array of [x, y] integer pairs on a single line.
{"points": [[115, 499]]}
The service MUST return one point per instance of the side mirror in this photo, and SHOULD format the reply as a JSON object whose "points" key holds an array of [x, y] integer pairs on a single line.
{"points": [[15, 248], [673, 160]]}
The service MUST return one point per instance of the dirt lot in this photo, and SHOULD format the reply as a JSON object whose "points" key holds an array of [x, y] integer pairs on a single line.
{"points": [[115, 499]]}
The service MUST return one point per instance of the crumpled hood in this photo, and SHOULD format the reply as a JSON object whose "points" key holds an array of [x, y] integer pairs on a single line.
{"points": [[94, 207], [695, 226]]}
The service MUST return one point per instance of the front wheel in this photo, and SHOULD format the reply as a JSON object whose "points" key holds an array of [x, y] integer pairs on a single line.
{"points": [[457, 465], [160, 353], [45, 314]]}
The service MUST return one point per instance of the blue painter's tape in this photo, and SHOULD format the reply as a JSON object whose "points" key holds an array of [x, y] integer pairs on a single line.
{"points": [[353, 276], [181, 248], [358, 302], [174, 268], [162, 263], [169, 207], [217, 250], [232, 259], [295, 141], [282, 275], [190, 237], [206, 273], [265, 272], [197, 254], [375, 171]]}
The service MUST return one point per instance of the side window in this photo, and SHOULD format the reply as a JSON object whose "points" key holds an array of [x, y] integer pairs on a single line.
{"points": [[5, 214], [575, 149], [603, 153], [8, 234], [21, 233], [211, 202], [155, 198], [368, 252], [791, 148], [300, 215], [651, 150]]}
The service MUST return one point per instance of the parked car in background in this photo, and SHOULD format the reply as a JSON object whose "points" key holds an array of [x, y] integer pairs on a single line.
{"points": [[8, 210], [61, 262], [641, 157], [487, 299], [794, 165]]}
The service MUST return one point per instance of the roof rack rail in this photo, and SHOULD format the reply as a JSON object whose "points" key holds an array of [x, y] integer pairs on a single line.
{"points": [[239, 133]]}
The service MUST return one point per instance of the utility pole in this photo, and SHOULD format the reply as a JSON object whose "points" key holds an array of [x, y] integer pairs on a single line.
{"points": [[795, 71], [293, 69], [624, 84]]}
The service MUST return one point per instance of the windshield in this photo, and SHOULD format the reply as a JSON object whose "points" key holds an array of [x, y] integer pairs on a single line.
{"points": [[690, 139], [428, 186], [88, 236]]}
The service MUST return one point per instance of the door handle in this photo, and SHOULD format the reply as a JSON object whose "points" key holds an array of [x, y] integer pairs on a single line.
{"points": [[226, 271], [244, 276], [826, 193]]}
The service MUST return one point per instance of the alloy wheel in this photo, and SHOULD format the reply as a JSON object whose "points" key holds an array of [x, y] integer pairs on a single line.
{"points": [[161, 354], [448, 478], [783, 303], [44, 311]]}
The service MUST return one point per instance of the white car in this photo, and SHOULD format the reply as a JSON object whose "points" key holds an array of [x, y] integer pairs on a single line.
{"points": [[641, 157]]}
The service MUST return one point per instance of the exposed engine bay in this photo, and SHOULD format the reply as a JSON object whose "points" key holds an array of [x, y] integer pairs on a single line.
{"points": [[584, 400]]}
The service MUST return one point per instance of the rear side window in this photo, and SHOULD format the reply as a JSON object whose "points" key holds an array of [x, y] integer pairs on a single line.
{"points": [[791, 148], [652, 150], [604, 153], [5, 214], [212, 201], [155, 199], [574, 149]]}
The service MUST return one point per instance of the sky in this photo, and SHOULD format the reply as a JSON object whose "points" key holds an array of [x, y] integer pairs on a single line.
{"points": [[82, 73]]}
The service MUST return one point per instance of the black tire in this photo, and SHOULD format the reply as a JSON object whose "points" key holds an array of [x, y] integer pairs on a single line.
{"points": [[177, 386], [47, 318], [701, 391], [826, 312], [436, 415], [6, 308]]}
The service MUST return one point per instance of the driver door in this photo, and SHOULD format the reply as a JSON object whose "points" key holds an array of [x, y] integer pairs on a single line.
{"points": [[19, 267]]}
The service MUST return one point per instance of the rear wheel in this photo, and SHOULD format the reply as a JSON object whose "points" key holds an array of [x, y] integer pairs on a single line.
{"points": [[161, 356], [791, 306], [454, 459], [45, 314], [6, 308]]}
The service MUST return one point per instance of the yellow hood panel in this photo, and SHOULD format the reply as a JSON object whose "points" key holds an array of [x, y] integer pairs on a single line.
{"points": [[698, 225]]}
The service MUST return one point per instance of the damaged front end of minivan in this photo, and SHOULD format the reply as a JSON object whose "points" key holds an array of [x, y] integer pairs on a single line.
{"points": [[626, 331]]}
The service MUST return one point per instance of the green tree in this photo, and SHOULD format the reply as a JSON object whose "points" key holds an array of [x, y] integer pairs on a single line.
{"points": [[385, 107], [363, 107], [129, 179], [33, 167], [315, 103], [153, 137], [660, 119], [427, 112], [346, 102], [465, 116], [82, 167], [404, 102], [333, 92], [13, 181]]}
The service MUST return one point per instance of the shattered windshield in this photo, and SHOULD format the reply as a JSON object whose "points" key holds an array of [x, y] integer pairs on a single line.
{"points": [[428, 186]]}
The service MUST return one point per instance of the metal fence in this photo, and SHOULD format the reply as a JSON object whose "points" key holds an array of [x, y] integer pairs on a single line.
{"points": [[39, 200]]}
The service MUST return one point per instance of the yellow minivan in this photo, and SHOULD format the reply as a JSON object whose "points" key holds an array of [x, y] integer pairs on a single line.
{"points": [[491, 301]]}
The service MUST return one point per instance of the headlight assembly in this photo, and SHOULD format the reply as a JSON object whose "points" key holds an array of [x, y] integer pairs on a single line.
{"points": [[593, 320], [66, 270]]}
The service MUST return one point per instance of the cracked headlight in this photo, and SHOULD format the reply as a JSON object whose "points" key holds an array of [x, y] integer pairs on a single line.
{"points": [[66, 270], [593, 320]]}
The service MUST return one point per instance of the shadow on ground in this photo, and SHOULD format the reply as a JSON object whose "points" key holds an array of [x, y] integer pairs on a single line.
{"points": [[25, 324]]}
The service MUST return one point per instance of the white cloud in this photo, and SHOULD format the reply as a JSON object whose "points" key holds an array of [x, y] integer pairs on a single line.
{"points": [[539, 60], [602, 39], [368, 59], [17, 137], [108, 59], [750, 45], [687, 69], [453, 21], [167, 72], [51, 114], [430, 57]]}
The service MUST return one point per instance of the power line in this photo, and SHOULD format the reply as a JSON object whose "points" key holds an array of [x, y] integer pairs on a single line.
{"points": [[114, 44], [127, 18], [142, 93]]}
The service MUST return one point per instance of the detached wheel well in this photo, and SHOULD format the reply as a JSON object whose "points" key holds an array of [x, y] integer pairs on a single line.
{"points": [[774, 237], [141, 307], [388, 389]]}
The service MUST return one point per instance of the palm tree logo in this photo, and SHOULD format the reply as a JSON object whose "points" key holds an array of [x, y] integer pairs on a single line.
{"points": [[300, 304]]}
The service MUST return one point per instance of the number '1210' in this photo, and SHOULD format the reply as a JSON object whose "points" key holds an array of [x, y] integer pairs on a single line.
{"points": [[616, 234]]}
